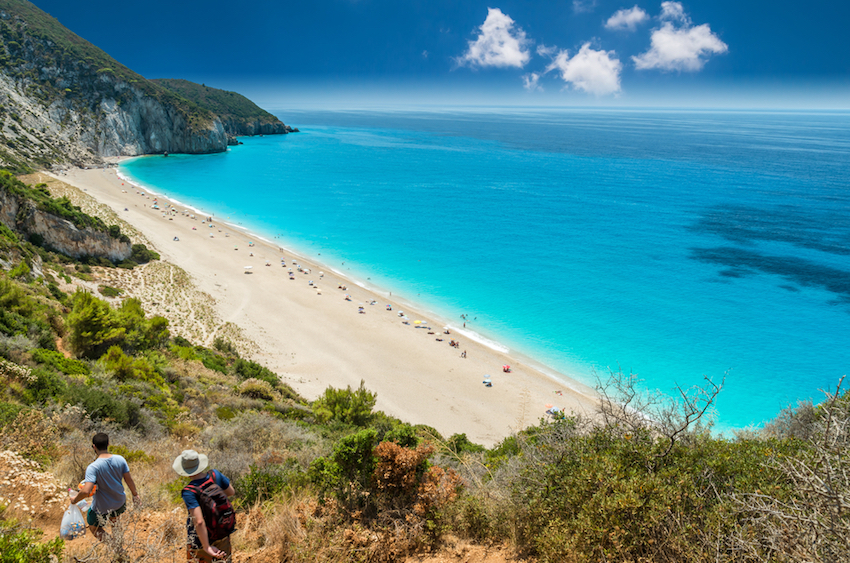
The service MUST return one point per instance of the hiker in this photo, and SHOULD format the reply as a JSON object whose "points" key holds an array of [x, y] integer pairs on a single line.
{"points": [[211, 517], [106, 472]]}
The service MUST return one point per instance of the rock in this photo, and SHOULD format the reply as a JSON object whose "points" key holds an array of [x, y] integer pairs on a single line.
{"points": [[57, 233]]}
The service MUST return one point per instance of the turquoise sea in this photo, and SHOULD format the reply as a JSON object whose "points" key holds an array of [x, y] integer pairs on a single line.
{"points": [[675, 245]]}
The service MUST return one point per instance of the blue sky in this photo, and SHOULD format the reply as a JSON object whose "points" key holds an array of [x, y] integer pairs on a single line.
{"points": [[367, 53]]}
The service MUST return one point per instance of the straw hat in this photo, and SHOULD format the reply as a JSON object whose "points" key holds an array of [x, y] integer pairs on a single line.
{"points": [[190, 463]]}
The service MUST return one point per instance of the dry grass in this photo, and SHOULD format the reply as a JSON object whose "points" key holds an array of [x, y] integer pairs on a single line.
{"points": [[27, 492], [139, 535]]}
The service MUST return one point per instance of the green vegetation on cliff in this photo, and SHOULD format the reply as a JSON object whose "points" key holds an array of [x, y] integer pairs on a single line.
{"points": [[229, 106], [17, 243]]}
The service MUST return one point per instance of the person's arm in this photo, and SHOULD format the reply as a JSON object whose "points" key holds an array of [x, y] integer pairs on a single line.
{"points": [[132, 485], [230, 491], [201, 531], [84, 492]]}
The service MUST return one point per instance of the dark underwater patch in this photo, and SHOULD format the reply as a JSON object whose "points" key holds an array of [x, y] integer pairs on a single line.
{"points": [[825, 232], [796, 270], [734, 273]]}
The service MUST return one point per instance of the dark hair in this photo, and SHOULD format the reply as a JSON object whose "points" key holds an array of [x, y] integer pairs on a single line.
{"points": [[100, 442]]}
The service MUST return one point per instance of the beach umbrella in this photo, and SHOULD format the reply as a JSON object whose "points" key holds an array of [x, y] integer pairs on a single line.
{"points": [[248, 267]]}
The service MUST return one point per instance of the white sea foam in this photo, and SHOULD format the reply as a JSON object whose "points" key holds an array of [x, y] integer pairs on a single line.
{"points": [[472, 335]]}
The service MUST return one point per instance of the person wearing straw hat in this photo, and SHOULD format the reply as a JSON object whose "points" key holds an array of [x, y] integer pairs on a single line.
{"points": [[195, 466]]}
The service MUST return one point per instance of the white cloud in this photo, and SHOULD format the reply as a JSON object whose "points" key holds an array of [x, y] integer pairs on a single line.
{"points": [[683, 47], [425, 54], [626, 20], [545, 51], [531, 82], [595, 72], [674, 11], [582, 6], [499, 44]]}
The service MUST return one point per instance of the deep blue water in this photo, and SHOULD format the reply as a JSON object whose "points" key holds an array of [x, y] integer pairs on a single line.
{"points": [[675, 245]]}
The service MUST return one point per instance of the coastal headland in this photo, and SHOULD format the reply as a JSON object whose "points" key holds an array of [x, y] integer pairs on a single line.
{"points": [[313, 337]]}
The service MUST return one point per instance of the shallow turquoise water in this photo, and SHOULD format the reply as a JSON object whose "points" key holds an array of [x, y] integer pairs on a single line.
{"points": [[674, 245]]}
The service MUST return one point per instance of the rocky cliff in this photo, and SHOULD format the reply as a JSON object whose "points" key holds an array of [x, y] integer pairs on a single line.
{"points": [[23, 216], [64, 101]]}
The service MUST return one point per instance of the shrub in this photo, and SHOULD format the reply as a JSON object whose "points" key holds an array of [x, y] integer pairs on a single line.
{"points": [[257, 389], [347, 474], [184, 352], [404, 435], [101, 405], [225, 347], [8, 412], [57, 361], [141, 254], [345, 405], [93, 326], [141, 333], [132, 456], [211, 360], [126, 368], [47, 384], [460, 444], [108, 291], [225, 413], [20, 271], [19, 544], [246, 369], [263, 483]]}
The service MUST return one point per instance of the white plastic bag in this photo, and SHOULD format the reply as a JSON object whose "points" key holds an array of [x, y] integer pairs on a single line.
{"points": [[83, 504], [73, 524]]}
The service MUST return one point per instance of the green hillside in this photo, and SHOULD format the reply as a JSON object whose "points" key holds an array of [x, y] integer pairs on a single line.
{"points": [[223, 103]]}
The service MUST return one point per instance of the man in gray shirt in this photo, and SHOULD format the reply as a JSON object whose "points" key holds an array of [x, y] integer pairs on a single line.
{"points": [[106, 472]]}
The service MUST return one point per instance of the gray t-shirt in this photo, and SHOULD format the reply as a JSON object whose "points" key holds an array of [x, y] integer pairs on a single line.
{"points": [[108, 474]]}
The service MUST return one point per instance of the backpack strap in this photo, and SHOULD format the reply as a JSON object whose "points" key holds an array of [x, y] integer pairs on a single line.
{"points": [[197, 489]]}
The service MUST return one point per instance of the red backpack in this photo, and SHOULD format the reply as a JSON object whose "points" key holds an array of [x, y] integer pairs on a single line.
{"points": [[216, 508]]}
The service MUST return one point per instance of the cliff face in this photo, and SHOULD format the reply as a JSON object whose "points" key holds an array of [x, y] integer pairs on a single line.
{"points": [[60, 234], [254, 127], [63, 100], [61, 131]]}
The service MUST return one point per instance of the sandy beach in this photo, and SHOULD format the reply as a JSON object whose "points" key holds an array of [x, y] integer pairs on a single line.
{"points": [[314, 338]]}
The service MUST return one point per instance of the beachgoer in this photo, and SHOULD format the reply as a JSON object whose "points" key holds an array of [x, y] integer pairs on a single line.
{"points": [[107, 472], [463, 354], [198, 547]]}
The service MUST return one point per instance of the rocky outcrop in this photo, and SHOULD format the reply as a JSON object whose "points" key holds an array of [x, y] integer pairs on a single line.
{"points": [[237, 127], [138, 125], [22, 216]]}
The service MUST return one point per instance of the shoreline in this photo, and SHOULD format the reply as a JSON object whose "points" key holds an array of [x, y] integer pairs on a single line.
{"points": [[417, 376]]}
